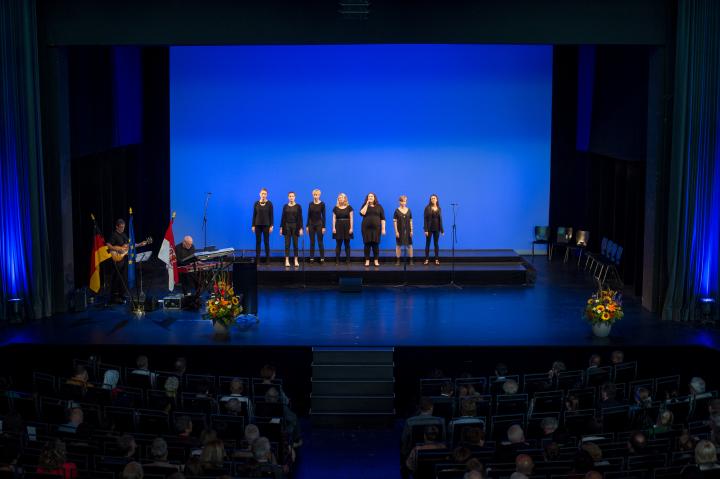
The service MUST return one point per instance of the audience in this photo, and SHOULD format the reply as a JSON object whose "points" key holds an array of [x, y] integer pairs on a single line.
{"points": [[80, 378], [75, 420], [133, 470], [52, 461], [706, 456], [524, 466], [431, 441], [159, 455], [617, 357], [142, 369]]}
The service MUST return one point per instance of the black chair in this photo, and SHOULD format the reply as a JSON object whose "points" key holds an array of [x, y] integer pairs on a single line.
{"points": [[98, 395], [72, 392], [615, 418], [159, 471], [121, 418], [52, 410], [666, 387], [625, 372], [152, 422], [138, 380], [541, 236], [670, 471], [269, 409], [562, 239], [259, 388], [585, 397], [511, 404], [200, 383], [432, 387], [444, 407], [496, 383], [474, 385], [590, 258], [580, 422], [548, 402], [680, 407], [199, 420], [228, 427], [532, 383], [534, 422], [570, 379], [25, 405], [649, 461], [499, 425], [44, 384], [199, 403], [598, 376], [581, 241]]}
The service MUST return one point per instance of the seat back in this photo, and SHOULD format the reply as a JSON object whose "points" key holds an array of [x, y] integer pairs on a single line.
{"points": [[564, 235], [542, 233], [582, 238]]}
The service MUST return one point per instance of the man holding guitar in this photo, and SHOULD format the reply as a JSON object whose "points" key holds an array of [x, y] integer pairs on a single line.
{"points": [[118, 247]]}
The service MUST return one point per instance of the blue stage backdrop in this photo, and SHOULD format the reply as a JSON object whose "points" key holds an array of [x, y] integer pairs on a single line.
{"points": [[470, 123]]}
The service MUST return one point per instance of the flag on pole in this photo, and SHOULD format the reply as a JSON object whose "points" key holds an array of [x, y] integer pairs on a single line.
{"points": [[99, 254], [167, 255], [131, 253]]}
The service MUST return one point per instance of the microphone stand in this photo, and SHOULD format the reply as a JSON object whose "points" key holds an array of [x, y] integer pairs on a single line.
{"points": [[454, 240], [207, 199]]}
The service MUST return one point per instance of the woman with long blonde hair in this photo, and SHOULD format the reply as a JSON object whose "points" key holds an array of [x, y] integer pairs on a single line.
{"points": [[342, 226]]}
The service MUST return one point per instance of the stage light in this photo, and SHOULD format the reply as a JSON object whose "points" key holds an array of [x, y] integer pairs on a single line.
{"points": [[15, 309]]}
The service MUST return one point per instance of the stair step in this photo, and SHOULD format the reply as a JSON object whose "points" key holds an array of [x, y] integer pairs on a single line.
{"points": [[335, 355], [369, 404], [352, 418], [358, 387], [352, 371]]}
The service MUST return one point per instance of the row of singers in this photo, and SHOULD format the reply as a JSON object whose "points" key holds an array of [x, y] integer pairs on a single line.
{"points": [[343, 226]]}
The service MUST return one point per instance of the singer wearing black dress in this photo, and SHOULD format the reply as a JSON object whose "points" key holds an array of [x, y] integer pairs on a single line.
{"points": [[291, 226], [342, 227], [433, 227], [262, 224], [402, 222], [373, 226], [316, 225]]}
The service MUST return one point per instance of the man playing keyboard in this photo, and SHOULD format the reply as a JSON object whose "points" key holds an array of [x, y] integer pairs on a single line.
{"points": [[185, 252]]}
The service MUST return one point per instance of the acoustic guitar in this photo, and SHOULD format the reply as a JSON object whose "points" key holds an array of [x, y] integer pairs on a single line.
{"points": [[119, 255]]}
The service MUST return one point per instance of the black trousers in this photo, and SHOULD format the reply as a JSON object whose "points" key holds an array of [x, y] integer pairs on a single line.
{"points": [[316, 231], [119, 278], [338, 248], [375, 250], [264, 232], [291, 236], [434, 235], [189, 282]]}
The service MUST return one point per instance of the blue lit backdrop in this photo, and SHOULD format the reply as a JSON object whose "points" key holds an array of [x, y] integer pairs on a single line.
{"points": [[468, 122]]}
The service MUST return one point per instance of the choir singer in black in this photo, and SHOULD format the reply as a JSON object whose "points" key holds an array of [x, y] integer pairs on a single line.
{"points": [[262, 224], [316, 225], [291, 226]]}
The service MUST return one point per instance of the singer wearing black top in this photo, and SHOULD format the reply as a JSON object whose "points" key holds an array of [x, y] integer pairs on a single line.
{"points": [[119, 242], [316, 225], [291, 226], [373, 225], [433, 227], [402, 222], [342, 227], [184, 252], [262, 224]]}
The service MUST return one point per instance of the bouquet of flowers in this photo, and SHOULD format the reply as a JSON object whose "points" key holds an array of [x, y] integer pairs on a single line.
{"points": [[223, 306], [605, 306]]}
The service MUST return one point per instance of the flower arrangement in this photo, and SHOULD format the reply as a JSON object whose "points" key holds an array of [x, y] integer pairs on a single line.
{"points": [[223, 306], [604, 306]]}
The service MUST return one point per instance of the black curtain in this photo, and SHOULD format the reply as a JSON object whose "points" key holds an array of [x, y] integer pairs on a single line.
{"points": [[25, 263]]}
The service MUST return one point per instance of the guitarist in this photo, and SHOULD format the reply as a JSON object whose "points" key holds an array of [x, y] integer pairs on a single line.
{"points": [[119, 243]]}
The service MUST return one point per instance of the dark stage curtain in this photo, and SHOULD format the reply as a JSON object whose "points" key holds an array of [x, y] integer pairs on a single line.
{"points": [[24, 252], [694, 198]]}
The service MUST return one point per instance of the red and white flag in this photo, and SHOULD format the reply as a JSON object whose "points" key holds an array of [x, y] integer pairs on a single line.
{"points": [[167, 255]]}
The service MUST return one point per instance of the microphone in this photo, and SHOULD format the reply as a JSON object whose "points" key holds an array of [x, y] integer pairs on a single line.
{"points": [[454, 204], [209, 193]]}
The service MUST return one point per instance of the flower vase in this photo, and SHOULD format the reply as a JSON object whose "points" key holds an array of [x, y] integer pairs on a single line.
{"points": [[221, 330], [601, 330]]}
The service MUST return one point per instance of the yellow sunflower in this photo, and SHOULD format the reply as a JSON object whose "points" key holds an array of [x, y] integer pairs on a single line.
{"points": [[235, 300], [600, 308], [212, 309], [605, 316]]}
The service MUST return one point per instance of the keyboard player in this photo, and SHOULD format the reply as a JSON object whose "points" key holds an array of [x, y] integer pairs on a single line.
{"points": [[185, 254]]}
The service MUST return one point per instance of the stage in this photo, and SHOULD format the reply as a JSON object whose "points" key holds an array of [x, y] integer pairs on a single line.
{"points": [[545, 313]]}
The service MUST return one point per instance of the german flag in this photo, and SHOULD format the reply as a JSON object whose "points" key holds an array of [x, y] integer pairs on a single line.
{"points": [[99, 254]]}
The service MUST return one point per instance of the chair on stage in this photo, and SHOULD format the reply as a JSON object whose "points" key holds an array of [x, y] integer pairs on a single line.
{"points": [[581, 241], [562, 239], [542, 236]]}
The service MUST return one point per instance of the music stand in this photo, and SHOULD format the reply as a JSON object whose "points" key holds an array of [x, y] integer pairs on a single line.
{"points": [[139, 304]]}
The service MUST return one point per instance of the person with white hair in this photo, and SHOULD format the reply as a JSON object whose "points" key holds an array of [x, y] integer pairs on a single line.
{"points": [[508, 450], [706, 456], [185, 252], [159, 454], [110, 379], [697, 386], [316, 225]]}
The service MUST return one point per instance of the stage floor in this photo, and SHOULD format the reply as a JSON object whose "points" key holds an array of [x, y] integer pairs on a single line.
{"points": [[546, 313]]}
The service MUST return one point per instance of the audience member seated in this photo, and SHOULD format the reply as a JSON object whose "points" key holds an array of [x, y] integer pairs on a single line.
{"points": [[292, 426], [597, 456], [75, 420], [237, 390], [595, 361], [52, 461], [468, 415], [473, 474], [474, 464], [431, 441], [501, 372], [551, 432], [80, 378], [508, 450], [637, 444], [244, 449], [474, 439], [9, 456], [212, 459], [262, 463], [423, 418], [524, 466], [159, 455], [184, 427], [510, 387], [617, 357], [110, 379], [706, 456], [557, 368], [143, 369], [582, 463], [664, 423], [180, 367], [133, 470], [608, 393]]}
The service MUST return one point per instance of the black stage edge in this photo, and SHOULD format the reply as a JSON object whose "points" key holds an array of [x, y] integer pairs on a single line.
{"points": [[476, 267]]}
